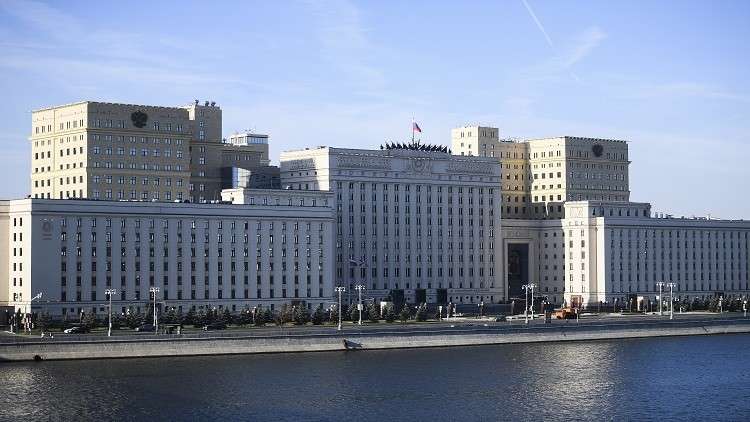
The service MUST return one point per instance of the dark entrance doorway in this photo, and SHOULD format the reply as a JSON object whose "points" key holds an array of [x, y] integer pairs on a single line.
{"points": [[518, 269], [442, 296], [420, 296]]}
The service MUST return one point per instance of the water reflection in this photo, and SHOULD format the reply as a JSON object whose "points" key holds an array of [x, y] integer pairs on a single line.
{"points": [[691, 378]]}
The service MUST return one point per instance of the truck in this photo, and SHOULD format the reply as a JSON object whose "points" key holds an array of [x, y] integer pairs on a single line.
{"points": [[565, 313]]}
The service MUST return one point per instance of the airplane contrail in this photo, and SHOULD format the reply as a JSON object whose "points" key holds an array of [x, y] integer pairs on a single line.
{"points": [[546, 35], [538, 23]]}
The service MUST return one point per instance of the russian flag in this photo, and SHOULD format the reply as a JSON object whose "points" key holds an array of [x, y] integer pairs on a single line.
{"points": [[415, 127]]}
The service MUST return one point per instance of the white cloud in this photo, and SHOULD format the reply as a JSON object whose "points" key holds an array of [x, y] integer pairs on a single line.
{"points": [[683, 89], [42, 16], [345, 43], [127, 56], [584, 44]]}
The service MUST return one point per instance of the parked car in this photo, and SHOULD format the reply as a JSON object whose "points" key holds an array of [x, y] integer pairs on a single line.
{"points": [[76, 330], [145, 328], [215, 326]]}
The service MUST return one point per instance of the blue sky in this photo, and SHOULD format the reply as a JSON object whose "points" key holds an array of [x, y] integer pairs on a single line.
{"points": [[670, 77]]}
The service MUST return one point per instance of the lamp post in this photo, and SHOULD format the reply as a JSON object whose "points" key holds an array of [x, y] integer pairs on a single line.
{"points": [[28, 310], [358, 263], [526, 288], [110, 292], [340, 290], [661, 286], [671, 299], [359, 288], [155, 290]]}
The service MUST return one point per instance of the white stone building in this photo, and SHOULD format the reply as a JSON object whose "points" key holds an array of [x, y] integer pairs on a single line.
{"points": [[618, 251], [275, 249], [422, 224], [412, 222], [540, 175]]}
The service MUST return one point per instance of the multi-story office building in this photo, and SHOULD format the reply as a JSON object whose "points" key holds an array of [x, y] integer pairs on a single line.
{"points": [[570, 168], [110, 151], [619, 252], [273, 249], [607, 252], [247, 138], [265, 177], [410, 221], [114, 151], [540, 175]]}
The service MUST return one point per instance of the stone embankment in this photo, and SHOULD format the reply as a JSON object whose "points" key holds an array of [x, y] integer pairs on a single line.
{"points": [[138, 347]]}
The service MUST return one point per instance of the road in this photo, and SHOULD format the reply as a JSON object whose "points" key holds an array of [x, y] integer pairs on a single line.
{"points": [[587, 322]]}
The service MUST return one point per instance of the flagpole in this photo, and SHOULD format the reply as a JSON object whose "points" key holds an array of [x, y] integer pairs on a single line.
{"points": [[412, 130]]}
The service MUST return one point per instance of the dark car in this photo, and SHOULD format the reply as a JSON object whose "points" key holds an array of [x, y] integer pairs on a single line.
{"points": [[215, 326], [76, 330], [145, 328]]}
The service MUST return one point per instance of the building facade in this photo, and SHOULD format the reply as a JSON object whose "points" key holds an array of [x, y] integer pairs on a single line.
{"points": [[619, 252], [274, 249], [540, 175], [410, 222], [112, 151]]}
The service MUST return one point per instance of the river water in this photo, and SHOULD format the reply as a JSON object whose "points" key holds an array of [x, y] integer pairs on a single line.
{"points": [[682, 378]]}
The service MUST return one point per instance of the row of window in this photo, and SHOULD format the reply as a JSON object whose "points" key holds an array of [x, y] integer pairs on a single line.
{"points": [[133, 180], [194, 224], [407, 187], [133, 152], [125, 295], [135, 166], [685, 233], [135, 139]]}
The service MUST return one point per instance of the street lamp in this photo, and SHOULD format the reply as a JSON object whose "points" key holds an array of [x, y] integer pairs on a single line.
{"points": [[671, 299], [744, 307], [340, 290], [526, 288], [359, 288], [28, 311], [110, 292], [155, 290], [661, 285]]}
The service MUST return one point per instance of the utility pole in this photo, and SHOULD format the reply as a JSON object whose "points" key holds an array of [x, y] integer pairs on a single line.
{"points": [[340, 290], [671, 299], [359, 289], [155, 290], [110, 292], [661, 285]]}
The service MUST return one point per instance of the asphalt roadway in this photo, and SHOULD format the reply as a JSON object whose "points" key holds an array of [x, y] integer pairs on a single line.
{"points": [[459, 325]]}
